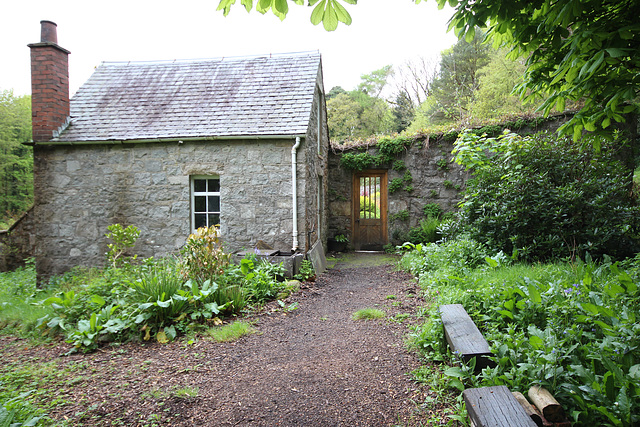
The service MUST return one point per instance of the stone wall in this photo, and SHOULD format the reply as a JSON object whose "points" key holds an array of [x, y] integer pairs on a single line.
{"points": [[434, 180], [17, 243], [316, 153], [82, 189]]}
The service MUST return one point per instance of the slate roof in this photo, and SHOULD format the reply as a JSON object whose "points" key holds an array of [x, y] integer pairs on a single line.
{"points": [[269, 95]]}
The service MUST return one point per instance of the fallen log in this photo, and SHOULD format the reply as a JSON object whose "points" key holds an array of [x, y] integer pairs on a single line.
{"points": [[547, 404], [531, 410]]}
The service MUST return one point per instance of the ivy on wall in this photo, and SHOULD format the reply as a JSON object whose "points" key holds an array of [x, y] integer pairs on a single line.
{"points": [[387, 151]]}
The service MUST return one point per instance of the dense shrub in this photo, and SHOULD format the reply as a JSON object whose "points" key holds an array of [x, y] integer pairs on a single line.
{"points": [[548, 197], [261, 279], [458, 254]]}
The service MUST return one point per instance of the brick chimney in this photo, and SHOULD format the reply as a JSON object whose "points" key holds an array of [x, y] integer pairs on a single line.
{"points": [[49, 84]]}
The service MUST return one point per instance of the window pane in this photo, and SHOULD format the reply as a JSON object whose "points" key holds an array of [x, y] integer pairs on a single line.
{"points": [[205, 196], [214, 219], [199, 185], [200, 220], [200, 203], [214, 204], [214, 185]]}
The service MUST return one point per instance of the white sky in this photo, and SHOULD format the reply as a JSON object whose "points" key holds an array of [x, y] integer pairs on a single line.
{"points": [[383, 32]]}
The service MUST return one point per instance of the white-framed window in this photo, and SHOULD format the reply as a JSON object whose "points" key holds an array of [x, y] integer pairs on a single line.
{"points": [[205, 201]]}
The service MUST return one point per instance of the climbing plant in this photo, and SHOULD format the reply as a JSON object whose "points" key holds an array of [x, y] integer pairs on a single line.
{"points": [[387, 151]]}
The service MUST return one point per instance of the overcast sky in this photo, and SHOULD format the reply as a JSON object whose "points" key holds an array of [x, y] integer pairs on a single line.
{"points": [[383, 32]]}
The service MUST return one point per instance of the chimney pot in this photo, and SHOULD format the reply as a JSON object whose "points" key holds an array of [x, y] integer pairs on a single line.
{"points": [[48, 32]]}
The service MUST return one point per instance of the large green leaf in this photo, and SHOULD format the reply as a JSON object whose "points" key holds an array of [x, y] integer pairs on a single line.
{"points": [[316, 18], [589, 308], [341, 12], [248, 4], [164, 304], [634, 372], [534, 294], [536, 342], [263, 6], [330, 18], [225, 6]]}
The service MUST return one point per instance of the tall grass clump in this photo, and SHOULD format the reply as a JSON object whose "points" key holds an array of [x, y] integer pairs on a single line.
{"points": [[19, 295], [368, 314], [231, 332], [157, 282]]}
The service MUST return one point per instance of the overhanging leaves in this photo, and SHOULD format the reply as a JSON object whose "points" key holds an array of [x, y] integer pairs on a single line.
{"points": [[328, 12], [576, 50]]}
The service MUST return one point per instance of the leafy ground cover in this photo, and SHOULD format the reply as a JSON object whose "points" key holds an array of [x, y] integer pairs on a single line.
{"points": [[571, 327], [157, 299]]}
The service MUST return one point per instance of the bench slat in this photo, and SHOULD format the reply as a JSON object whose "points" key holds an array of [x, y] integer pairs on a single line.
{"points": [[495, 407], [464, 336]]}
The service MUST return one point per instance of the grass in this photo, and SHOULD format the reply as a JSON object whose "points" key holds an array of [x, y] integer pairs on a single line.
{"points": [[231, 332], [30, 389], [186, 391], [19, 296], [368, 314], [159, 393]]}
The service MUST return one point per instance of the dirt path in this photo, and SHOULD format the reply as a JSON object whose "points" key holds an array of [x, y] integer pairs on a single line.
{"points": [[314, 366]]}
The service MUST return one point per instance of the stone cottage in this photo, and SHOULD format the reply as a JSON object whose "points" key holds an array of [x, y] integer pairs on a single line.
{"points": [[172, 146]]}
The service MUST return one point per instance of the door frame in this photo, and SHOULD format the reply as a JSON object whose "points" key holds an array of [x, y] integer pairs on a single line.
{"points": [[355, 204]]}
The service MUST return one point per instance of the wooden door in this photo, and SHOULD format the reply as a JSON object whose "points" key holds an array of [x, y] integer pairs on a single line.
{"points": [[369, 214]]}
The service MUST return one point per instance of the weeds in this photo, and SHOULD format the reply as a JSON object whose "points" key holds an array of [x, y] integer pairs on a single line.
{"points": [[368, 314], [231, 332], [19, 295], [306, 271], [24, 392], [186, 392]]}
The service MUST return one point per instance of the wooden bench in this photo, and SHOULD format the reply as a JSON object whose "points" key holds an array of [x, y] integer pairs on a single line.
{"points": [[495, 407], [464, 337]]}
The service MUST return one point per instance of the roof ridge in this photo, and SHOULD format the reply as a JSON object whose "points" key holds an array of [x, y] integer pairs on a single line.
{"points": [[219, 59]]}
